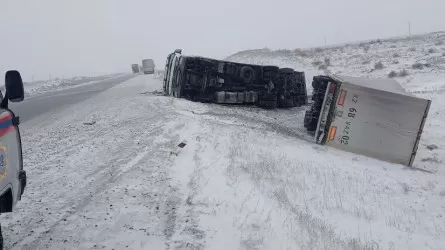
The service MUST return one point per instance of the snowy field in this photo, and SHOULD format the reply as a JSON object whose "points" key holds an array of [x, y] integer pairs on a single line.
{"points": [[114, 174]]}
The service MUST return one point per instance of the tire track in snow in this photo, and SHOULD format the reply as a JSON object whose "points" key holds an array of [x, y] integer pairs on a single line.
{"points": [[96, 183]]}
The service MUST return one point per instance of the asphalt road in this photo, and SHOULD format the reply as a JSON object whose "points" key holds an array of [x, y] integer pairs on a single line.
{"points": [[46, 102]]}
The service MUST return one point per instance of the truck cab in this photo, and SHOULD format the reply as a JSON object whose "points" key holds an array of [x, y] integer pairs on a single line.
{"points": [[171, 70], [12, 175]]}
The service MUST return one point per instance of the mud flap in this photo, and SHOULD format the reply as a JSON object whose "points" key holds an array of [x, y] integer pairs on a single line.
{"points": [[22, 180]]}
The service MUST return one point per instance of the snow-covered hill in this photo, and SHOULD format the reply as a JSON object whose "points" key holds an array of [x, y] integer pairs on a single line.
{"points": [[413, 61]]}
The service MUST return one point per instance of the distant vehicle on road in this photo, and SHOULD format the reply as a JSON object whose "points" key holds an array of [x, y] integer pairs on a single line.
{"points": [[148, 66], [135, 68]]}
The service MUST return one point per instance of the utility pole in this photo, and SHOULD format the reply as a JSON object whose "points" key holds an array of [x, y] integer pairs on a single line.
{"points": [[325, 44], [409, 28]]}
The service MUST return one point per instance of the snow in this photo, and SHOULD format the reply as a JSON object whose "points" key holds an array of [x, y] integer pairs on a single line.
{"points": [[247, 178]]}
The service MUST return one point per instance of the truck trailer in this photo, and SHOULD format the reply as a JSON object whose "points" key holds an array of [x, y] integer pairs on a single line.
{"points": [[371, 117], [217, 81]]}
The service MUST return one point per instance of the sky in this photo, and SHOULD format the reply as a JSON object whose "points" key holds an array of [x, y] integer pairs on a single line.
{"points": [[63, 38]]}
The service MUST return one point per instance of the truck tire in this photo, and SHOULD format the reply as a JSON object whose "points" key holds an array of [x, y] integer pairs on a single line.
{"points": [[312, 125], [310, 120], [268, 102], [320, 84], [307, 118], [314, 85], [286, 103], [247, 73], [317, 95], [270, 68], [298, 100], [270, 73], [287, 70]]}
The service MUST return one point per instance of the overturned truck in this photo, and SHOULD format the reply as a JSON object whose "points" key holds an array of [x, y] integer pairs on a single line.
{"points": [[217, 81], [372, 117]]}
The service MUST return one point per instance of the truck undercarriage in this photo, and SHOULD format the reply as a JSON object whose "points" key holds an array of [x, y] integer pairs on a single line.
{"points": [[216, 81], [319, 85]]}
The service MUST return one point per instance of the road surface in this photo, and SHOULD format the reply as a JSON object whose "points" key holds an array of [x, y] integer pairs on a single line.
{"points": [[37, 105]]}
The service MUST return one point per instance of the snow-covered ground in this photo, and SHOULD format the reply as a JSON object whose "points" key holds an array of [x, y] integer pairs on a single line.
{"points": [[422, 57], [112, 174]]}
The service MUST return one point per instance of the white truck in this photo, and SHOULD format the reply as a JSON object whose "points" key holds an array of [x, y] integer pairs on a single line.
{"points": [[148, 66], [12, 175], [371, 117]]}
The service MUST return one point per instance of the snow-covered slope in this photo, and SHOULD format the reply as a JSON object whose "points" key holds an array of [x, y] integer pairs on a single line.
{"points": [[421, 58]]}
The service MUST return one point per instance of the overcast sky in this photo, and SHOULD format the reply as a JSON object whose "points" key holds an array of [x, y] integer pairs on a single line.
{"points": [[64, 38]]}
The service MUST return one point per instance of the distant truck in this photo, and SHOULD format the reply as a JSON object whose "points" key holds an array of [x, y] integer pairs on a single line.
{"points": [[217, 81], [148, 66], [135, 68], [371, 117]]}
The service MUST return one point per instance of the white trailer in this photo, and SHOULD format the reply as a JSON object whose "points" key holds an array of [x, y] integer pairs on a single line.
{"points": [[372, 117]]}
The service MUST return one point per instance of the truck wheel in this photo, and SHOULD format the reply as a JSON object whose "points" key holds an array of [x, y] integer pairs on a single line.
{"points": [[287, 70], [312, 121], [268, 102], [307, 118], [312, 127], [301, 100], [270, 68], [319, 84], [247, 73], [270, 73], [318, 96], [321, 78], [286, 103], [314, 84], [298, 101]]}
